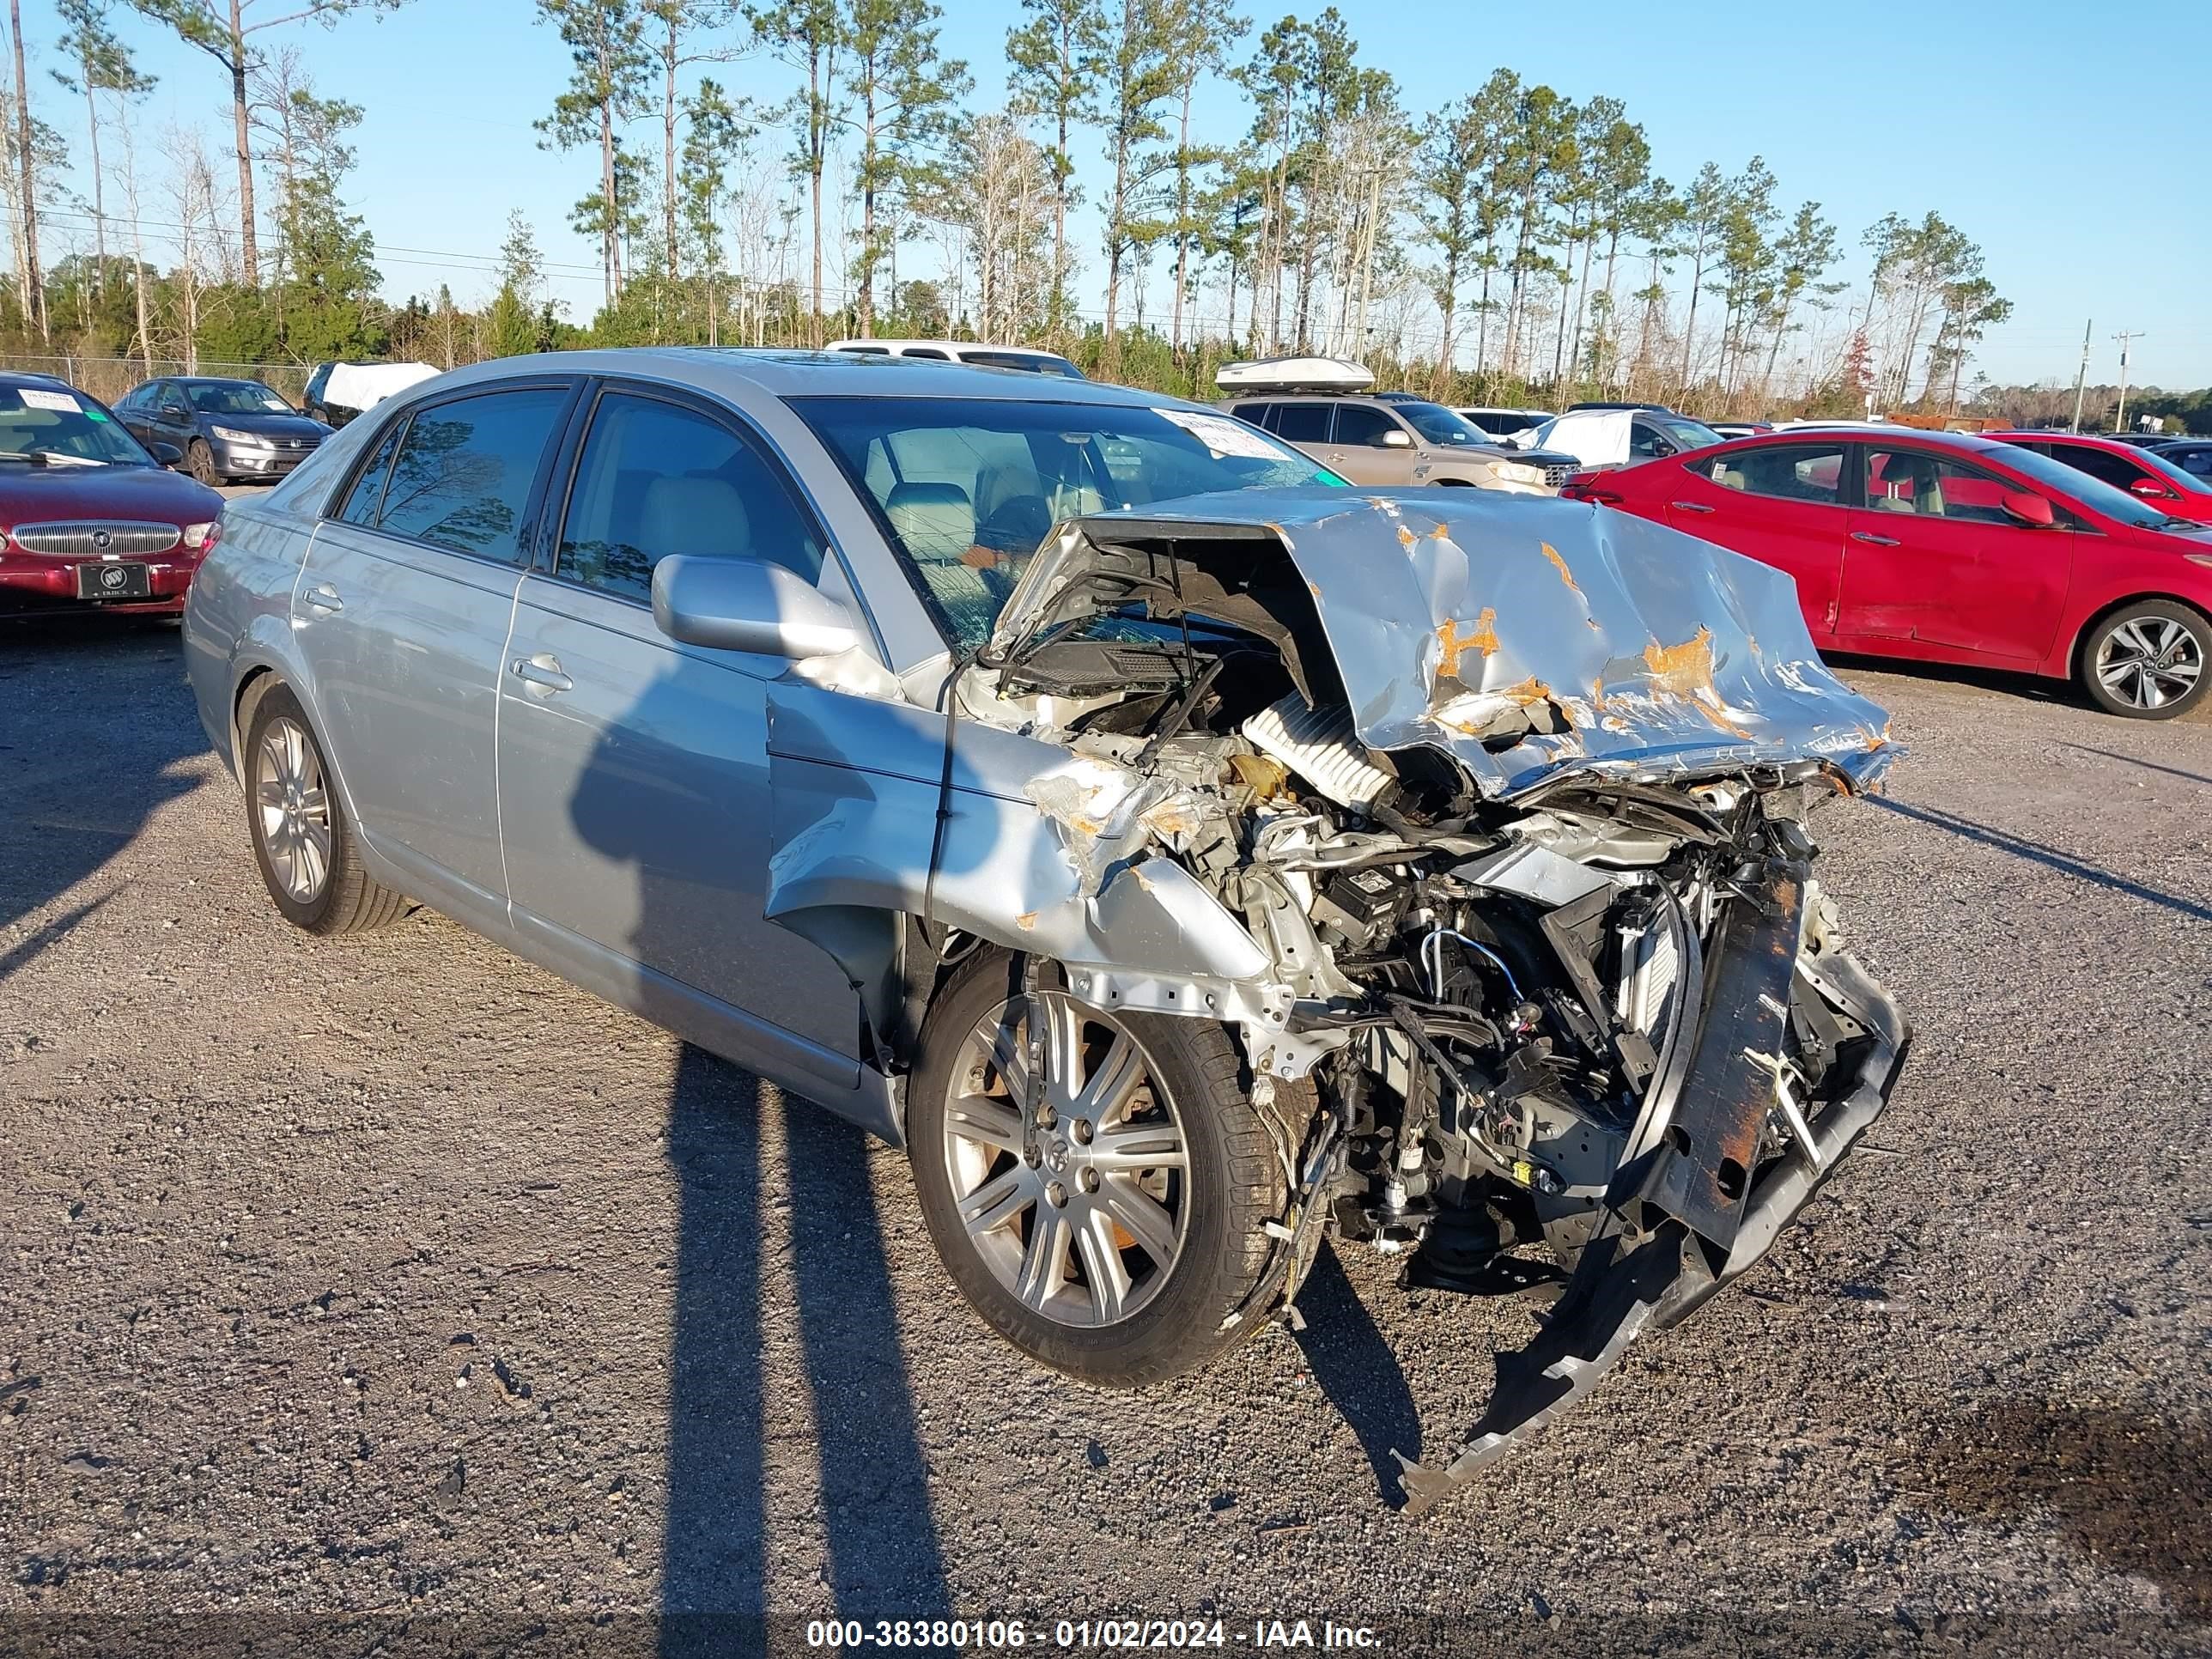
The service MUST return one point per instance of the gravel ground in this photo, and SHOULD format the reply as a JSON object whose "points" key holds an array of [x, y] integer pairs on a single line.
{"points": [[395, 1277]]}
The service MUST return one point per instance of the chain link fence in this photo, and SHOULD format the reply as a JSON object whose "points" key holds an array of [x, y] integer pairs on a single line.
{"points": [[109, 378]]}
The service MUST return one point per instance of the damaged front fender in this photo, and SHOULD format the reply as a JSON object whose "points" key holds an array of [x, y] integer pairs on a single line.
{"points": [[855, 784]]}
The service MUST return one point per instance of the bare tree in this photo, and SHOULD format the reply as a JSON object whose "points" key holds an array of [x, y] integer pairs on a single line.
{"points": [[225, 31]]}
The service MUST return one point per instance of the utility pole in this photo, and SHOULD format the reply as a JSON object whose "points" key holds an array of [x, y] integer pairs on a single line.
{"points": [[2081, 374], [2120, 418]]}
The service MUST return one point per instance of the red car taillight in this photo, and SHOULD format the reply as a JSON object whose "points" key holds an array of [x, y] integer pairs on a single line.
{"points": [[1583, 487]]}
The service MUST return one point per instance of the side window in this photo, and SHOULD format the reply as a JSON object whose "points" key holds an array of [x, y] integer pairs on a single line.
{"points": [[1363, 426], [1300, 423], [2116, 470], [1932, 486], [1794, 472], [1646, 442], [930, 352], [2198, 461], [1259, 415], [656, 479], [173, 401], [463, 475], [367, 495]]}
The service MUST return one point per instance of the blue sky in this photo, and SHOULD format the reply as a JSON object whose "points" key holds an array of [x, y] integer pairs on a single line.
{"points": [[2066, 139]]}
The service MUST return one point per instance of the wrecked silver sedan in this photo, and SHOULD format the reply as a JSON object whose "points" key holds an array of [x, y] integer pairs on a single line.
{"points": [[1187, 857]]}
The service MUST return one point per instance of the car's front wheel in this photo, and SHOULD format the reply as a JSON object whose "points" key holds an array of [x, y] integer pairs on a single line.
{"points": [[302, 839], [1098, 1184], [199, 460], [2151, 659]]}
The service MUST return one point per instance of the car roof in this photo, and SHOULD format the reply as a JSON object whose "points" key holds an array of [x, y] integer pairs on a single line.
{"points": [[28, 377], [209, 379], [2052, 435], [789, 374], [1966, 442]]}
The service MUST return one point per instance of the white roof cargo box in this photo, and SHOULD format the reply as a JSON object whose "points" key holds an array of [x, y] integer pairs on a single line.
{"points": [[1294, 375]]}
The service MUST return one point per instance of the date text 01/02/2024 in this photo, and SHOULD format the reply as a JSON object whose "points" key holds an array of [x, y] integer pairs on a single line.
{"points": [[987, 1634]]}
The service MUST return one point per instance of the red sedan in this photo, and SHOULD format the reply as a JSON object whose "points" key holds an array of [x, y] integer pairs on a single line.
{"points": [[2142, 472], [1946, 547], [90, 520]]}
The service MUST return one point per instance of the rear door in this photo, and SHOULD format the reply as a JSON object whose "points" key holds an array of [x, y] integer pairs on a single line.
{"points": [[634, 770], [401, 614], [1933, 556], [1783, 504]]}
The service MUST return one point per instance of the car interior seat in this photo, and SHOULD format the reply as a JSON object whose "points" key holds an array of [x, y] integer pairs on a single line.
{"points": [[936, 524]]}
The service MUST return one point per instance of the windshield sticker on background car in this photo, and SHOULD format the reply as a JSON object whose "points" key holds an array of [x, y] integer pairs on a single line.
{"points": [[1221, 434], [33, 398]]}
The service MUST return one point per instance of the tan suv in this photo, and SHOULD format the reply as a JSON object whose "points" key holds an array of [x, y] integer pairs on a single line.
{"points": [[1389, 441]]}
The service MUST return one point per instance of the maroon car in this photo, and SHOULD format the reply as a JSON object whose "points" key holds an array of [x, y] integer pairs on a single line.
{"points": [[90, 520]]}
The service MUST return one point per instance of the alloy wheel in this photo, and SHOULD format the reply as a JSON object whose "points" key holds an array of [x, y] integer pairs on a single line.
{"points": [[292, 808], [1068, 1160], [2149, 661]]}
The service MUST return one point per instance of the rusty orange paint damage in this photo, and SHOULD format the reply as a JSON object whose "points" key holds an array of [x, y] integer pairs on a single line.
{"points": [[1560, 565], [1686, 671], [1481, 637]]}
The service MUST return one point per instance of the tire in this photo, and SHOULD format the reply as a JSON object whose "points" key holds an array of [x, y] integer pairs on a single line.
{"points": [[315, 879], [199, 461], [2149, 660], [1194, 1094]]}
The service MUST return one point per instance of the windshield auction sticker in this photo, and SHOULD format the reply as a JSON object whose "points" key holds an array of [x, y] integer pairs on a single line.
{"points": [[33, 398], [1222, 436]]}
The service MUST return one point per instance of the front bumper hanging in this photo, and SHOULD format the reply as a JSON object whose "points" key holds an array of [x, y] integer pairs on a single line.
{"points": [[1687, 1218]]}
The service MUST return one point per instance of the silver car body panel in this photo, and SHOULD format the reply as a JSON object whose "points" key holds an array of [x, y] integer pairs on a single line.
{"points": [[1653, 654]]}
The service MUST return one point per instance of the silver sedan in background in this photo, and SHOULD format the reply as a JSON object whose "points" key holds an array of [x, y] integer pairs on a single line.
{"points": [[1183, 855]]}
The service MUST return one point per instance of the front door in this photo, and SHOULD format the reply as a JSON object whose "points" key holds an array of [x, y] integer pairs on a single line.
{"points": [[401, 614], [1782, 504], [1934, 557], [1369, 446], [634, 770]]}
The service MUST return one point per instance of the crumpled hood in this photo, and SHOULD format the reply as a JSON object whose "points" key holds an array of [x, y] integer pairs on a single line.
{"points": [[1527, 637]]}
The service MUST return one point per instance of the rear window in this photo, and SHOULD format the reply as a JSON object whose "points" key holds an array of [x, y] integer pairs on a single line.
{"points": [[465, 470], [1794, 472], [1029, 362]]}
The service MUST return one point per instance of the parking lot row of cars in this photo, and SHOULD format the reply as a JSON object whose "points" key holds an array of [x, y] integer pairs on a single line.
{"points": [[2068, 555]]}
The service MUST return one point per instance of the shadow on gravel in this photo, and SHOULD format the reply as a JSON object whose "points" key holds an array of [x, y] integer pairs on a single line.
{"points": [[2132, 760], [2019, 847], [883, 1558], [93, 720], [1357, 1370], [2121, 1485]]}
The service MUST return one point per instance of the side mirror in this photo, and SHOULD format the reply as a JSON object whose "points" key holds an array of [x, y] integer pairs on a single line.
{"points": [[168, 455], [742, 605], [2030, 510], [2150, 489], [1397, 438]]}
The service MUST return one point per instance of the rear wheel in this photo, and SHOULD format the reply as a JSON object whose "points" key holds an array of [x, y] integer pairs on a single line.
{"points": [[2151, 659], [301, 837], [1097, 1193]]}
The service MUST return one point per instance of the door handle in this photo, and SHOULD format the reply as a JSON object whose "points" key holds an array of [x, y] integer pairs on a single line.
{"points": [[541, 673], [323, 598], [1872, 540], [1689, 506]]}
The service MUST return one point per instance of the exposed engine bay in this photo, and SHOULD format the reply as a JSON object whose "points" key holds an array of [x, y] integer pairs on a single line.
{"points": [[1496, 857]]}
